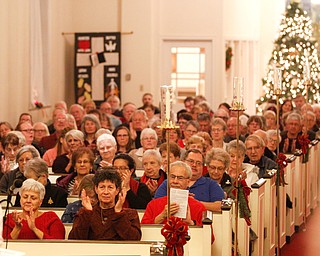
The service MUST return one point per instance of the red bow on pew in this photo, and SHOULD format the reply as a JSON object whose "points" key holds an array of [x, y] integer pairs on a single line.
{"points": [[304, 142], [175, 231], [243, 197], [282, 163]]}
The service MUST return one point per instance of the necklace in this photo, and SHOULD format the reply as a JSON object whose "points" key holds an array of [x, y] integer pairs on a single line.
{"points": [[103, 219]]}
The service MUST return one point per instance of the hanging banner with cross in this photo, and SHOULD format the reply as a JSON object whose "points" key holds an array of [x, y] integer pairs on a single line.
{"points": [[97, 66]]}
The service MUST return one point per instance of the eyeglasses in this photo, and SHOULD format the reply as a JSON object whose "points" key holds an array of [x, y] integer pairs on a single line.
{"points": [[28, 130], [253, 148], [121, 168], [180, 178], [216, 130], [192, 162], [272, 141], [214, 168], [39, 130]]}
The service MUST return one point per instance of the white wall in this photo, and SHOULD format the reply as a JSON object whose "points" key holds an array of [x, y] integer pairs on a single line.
{"points": [[151, 22]]}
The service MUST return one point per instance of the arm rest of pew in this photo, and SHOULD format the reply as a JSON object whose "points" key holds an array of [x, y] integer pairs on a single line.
{"points": [[260, 182], [291, 158], [80, 248]]}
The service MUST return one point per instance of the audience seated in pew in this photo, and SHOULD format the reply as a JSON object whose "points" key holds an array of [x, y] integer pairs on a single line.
{"points": [[107, 148], [153, 175], [255, 150], [218, 161], [247, 171], [32, 223], [59, 149], [107, 220], [157, 209], [86, 188], [82, 162], [55, 196], [204, 189], [10, 145], [138, 194], [72, 140], [23, 156]]}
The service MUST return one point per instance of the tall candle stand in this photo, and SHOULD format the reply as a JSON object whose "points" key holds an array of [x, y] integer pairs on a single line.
{"points": [[167, 123], [307, 84], [237, 105], [277, 90]]}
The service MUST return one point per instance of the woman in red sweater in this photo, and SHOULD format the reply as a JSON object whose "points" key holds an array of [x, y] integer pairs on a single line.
{"points": [[32, 223]]}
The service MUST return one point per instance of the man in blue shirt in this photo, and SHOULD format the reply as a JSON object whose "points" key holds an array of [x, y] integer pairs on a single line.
{"points": [[204, 189]]}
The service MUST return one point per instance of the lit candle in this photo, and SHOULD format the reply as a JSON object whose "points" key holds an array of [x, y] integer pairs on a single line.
{"points": [[277, 80], [237, 89], [307, 69], [167, 104]]}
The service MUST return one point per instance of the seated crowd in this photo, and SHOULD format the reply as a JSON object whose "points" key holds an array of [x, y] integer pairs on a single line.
{"points": [[115, 161]]}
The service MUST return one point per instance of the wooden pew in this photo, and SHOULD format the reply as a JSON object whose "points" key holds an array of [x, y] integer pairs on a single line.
{"points": [[199, 243], [290, 173], [314, 154], [306, 167], [222, 229], [80, 248], [257, 205], [299, 189], [270, 215], [282, 214]]}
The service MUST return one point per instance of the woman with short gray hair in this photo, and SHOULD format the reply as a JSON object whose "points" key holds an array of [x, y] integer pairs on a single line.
{"points": [[153, 174], [55, 196], [218, 161], [31, 223], [237, 155], [149, 140], [107, 148], [23, 156]]}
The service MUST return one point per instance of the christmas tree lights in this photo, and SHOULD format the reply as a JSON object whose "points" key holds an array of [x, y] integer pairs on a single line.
{"points": [[294, 48]]}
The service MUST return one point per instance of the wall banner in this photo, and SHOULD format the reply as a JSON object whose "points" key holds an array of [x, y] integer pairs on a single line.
{"points": [[97, 66]]}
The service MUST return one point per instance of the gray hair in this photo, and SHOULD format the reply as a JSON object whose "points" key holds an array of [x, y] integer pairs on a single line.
{"points": [[37, 165], [90, 117], [76, 134], [102, 131], [33, 185], [139, 112], [233, 145], [257, 139], [219, 121], [106, 137], [148, 131], [186, 167], [27, 148], [218, 154], [152, 152], [21, 137], [271, 133], [294, 116]]}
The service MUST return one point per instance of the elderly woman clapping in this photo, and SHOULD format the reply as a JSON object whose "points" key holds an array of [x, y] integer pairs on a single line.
{"points": [[107, 147], [32, 223]]}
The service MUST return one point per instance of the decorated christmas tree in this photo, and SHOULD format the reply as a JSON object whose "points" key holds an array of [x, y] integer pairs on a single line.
{"points": [[294, 50]]}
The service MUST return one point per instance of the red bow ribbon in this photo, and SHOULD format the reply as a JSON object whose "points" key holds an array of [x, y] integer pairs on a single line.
{"points": [[282, 163], [304, 142], [243, 198], [175, 231]]}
